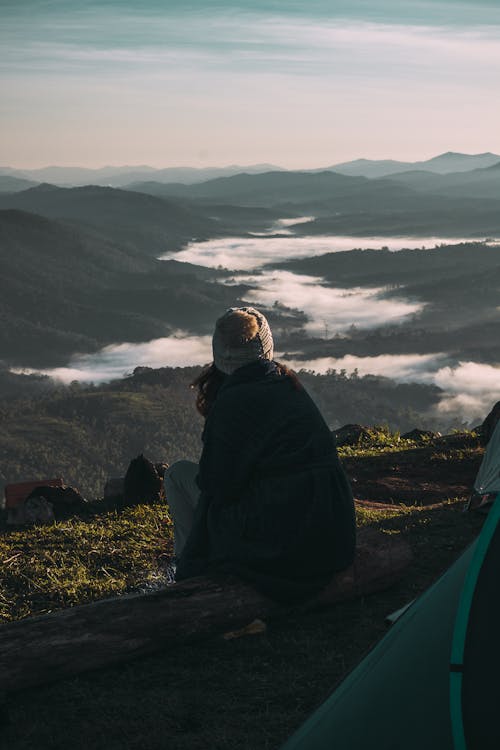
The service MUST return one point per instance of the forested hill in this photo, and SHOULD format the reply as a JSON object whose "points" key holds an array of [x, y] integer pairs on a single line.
{"points": [[65, 288], [456, 284], [87, 433], [458, 206], [141, 222], [297, 188]]}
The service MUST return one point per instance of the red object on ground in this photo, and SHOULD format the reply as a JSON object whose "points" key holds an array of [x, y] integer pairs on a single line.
{"points": [[15, 494]]}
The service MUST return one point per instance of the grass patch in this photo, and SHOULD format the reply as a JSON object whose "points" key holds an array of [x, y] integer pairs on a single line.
{"points": [[44, 568]]}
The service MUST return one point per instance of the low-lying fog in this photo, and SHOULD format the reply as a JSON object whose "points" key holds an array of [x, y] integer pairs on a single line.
{"points": [[118, 360], [469, 388], [329, 310], [250, 253]]}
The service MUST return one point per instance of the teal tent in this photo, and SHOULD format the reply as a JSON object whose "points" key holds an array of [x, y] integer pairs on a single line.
{"points": [[488, 476], [433, 682]]}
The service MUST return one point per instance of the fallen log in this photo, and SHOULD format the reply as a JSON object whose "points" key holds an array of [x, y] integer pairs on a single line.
{"points": [[42, 649]]}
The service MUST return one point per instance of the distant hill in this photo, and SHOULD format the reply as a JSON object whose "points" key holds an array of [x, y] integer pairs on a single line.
{"points": [[67, 289], [457, 284], [146, 223], [127, 175], [477, 183], [50, 277], [10, 184], [154, 218], [286, 189], [74, 176], [371, 167], [431, 215], [124, 175], [229, 217], [454, 162], [344, 204], [192, 175], [441, 164], [87, 434]]}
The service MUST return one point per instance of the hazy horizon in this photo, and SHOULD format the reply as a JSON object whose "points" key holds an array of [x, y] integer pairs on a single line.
{"points": [[239, 163]]}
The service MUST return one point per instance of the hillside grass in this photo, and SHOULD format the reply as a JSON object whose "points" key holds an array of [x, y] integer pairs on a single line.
{"points": [[248, 693], [44, 568]]}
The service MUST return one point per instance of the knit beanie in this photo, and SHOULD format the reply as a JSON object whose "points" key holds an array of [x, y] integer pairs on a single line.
{"points": [[242, 335]]}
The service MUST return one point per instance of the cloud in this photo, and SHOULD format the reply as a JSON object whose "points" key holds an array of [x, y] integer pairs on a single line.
{"points": [[302, 85], [283, 226], [329, 310], [246, 254], [263, 39], [400, 367], [469, 388], [206, 47], [117, 360], [469, 376]]}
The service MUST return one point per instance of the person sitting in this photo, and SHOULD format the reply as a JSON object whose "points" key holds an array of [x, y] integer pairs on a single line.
{"points": [[269, 500]]}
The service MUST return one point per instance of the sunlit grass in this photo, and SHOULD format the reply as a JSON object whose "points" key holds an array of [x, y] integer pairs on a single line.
{"points": [[48, 567], [45, 568]]}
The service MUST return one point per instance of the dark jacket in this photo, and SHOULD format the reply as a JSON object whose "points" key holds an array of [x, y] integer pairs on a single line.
{"points": [[275, 506]]}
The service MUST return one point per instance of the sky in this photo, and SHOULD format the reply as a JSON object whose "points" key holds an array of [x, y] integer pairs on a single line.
{"points": [[203, 83]]}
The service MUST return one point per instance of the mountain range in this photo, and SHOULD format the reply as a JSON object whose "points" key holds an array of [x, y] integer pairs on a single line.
{"points": [[124, 175], [121, 176], [154, 218], [441, 164], [79, 268], [307, 187], [479, 183]]}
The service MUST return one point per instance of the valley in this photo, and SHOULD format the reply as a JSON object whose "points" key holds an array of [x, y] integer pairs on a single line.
{"points": [[357, 274]]}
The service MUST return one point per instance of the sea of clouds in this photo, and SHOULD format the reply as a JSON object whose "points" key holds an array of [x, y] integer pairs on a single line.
{"points": [[250, 253], [117, 360], [469, 388], [329, 310]]}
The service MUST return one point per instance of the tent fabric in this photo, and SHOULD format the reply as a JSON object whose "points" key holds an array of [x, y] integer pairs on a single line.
{"points": [[475, 651], [432, 681], [488, 476]]}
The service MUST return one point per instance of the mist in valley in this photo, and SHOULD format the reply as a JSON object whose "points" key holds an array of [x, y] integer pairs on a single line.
{"points": [[373, 268]]}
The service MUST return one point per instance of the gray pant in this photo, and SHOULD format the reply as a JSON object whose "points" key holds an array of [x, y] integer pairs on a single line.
{"points": [[182, 494]]}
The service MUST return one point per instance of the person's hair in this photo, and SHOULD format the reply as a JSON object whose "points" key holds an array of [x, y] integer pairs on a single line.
{"points": [[207, 384], [289, 373], [210, 380]]}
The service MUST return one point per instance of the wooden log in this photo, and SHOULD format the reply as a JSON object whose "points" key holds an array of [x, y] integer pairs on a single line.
{"points": [[42, 649]]}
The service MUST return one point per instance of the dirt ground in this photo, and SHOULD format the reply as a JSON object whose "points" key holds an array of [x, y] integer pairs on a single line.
{"points": [[423, 475]]}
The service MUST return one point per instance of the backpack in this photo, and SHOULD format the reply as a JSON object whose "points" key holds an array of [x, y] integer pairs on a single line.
{"points": [[142, 483]]}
